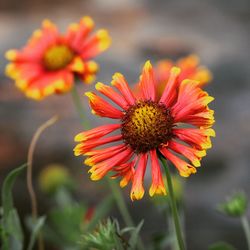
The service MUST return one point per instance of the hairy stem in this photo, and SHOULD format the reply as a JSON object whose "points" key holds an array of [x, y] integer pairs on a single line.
{"points": [[173, 205], [31, 191]]}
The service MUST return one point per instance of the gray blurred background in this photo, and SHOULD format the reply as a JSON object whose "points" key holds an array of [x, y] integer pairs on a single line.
{"points": [[218, 31]]}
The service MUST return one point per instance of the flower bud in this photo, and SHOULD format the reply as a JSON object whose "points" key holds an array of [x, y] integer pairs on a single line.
{"points": [[235, 206]]}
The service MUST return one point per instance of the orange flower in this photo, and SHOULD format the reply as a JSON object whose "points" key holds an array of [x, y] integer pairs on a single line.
{"points": [[50, 61], [190, 69], [176, 123]]}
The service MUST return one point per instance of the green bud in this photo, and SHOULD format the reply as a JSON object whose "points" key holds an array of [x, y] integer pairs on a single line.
{"points": [[235, 206]]}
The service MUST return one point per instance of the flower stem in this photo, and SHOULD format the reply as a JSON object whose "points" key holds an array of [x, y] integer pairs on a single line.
{"points": [[79, 108], [246, 227], [120, 203], [173, 205], [31, 191]]}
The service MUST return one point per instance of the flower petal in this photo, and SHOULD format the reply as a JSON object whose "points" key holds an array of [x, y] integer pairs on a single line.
{"points": [[199, 138], [96, 44], [104, 155], [157, 186], [101, 169], [192, 154], [89, 73], [102, 108], [96, 132], [204, 119], [183, 167], [23, 73], [111, 94], [137, 190], [190, 69], [126, 171], [191, 99], [170, 91], [47, 84], [121, 84], [78, 32], [85, 147], [147, 82]]}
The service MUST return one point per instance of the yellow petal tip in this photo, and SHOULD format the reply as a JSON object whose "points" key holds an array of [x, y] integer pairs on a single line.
{"points": [[99, 86], [79, 137], [11, 55], [88, 21], [175, 70]]}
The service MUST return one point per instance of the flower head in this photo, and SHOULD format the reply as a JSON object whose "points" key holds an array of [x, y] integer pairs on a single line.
{"points": [[177, 123], [50, 61]]}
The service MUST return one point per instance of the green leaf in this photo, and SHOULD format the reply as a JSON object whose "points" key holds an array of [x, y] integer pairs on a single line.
{"points": [[36, 229], [14, 230], [221, 246], [66, 222], [8, 183], [11, 231], [100, 212], [134, 237]]}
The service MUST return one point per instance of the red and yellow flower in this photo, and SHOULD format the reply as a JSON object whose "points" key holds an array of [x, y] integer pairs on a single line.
{"points": [[190, 69], [176, 124], [50, 61]]}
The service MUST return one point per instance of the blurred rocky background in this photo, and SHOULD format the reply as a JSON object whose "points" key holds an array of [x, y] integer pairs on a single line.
{"points": [[218, 31]]}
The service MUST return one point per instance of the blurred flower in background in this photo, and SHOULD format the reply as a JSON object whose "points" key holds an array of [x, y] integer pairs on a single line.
{"points": [[53, 177], [49, 63], [190, 69]]}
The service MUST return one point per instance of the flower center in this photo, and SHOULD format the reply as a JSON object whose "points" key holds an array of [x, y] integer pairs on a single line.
{"points": [[57, 57], [146, 125]]}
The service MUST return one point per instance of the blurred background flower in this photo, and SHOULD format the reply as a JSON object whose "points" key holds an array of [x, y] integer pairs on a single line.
{"points": [[51, 62], [54, 177]]}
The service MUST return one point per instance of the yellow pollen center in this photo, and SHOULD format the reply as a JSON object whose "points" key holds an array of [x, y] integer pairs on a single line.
{"points": [[57, 57], [146, 125]]}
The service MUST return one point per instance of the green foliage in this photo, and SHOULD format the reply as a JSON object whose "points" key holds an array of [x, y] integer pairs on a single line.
{"points": [[133, 241], [35, 229], [10, 227], [108, 235], [235, 206], [11, 231], [221, 246], [66, 223]]}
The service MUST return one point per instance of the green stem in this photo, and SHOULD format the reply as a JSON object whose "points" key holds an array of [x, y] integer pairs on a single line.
{"points": [[246, 228], [173, 205], [79, 108], [120, 202]]}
